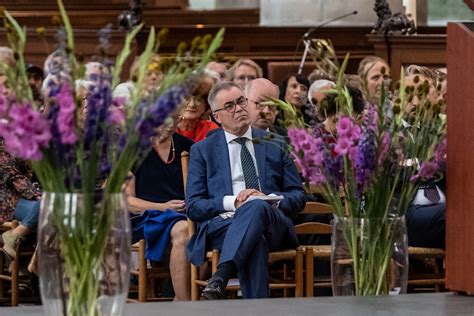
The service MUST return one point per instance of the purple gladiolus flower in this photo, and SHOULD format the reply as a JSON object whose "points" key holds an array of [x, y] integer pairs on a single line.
{"points": [[384, 147], [426, 172], [156, 114], [116, 113], [366, 160], [429, 169], [97, 108]]}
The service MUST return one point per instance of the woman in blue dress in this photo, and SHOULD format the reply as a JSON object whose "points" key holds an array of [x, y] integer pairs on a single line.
{"points": [[156, 200]]}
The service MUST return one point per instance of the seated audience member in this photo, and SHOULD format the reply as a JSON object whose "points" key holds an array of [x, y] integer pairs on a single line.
{"points": [[317, 74], [7, 60], [35, 76], [95, 71], [374, 72], [227, 174], [152, 79], [155, 198], [192, 125], [316, 94], [416, 76], [218, 67], [263, 115], [442, 84], [243, 71], [294, 90], [35, 79], [19, 199], [354, 81], [425, 217], [329, 107]]}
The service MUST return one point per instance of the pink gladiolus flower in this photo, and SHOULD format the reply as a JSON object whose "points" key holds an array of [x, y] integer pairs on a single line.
{"points": [[3, 105], [116, 116], [385, 145], [65, 119], [342, 147], [344, 126], [25, 132]]}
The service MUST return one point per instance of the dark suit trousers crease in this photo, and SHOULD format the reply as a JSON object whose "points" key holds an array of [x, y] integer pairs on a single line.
{"points": [[246, 239], [426, 225]]}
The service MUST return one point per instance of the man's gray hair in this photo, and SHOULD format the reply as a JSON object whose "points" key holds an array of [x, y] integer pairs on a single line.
{"points": [[223, 85], [317, 86]]}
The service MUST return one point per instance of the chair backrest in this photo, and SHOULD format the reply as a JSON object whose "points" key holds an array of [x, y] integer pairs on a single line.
{"points": [[315, 228], [184, 167], [184, 170]]}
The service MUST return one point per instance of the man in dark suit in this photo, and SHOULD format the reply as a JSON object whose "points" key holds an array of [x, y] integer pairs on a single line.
{"points": [[261, 115], [227, 174], [426, 224]]}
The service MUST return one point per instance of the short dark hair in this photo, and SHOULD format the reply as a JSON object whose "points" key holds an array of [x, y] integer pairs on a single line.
{"points": [[223, 85], [329, 105], [35, 71], [284, 84]]}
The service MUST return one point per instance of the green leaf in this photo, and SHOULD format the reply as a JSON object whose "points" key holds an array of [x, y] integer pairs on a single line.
{"points": [[123, 55]]}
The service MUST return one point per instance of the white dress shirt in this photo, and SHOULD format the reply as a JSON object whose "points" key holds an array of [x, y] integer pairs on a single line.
{"points": [[421, 199], [236, 171]]}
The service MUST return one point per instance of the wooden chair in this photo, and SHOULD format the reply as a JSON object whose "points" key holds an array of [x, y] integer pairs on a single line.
{"points": [[146, 275], [287, 282], [323, 252], [10, 271], [424, 278], [313, 252]]}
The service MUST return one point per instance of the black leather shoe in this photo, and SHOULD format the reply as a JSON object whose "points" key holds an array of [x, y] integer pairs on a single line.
{"points": [[214, 289]]}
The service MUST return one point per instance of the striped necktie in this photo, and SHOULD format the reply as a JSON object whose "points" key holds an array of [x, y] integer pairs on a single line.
{"points": [[248, 167]]}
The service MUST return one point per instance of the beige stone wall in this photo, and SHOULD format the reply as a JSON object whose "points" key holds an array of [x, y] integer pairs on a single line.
{"points": [[314, 12]]}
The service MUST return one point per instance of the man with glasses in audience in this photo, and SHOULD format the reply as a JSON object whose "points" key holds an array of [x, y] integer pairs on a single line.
{"points": [[262, 113], [242, 195]]}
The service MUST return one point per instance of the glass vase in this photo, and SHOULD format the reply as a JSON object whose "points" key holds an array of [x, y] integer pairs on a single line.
{"points": [[369, 256], [83, 253]]}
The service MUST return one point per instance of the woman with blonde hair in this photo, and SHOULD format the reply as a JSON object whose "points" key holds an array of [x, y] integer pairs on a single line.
{"points": [[243, 71], [374, 72]]}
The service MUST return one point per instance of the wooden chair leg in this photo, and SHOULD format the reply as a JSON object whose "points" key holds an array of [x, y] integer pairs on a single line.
{"points": [[142, 279], [299, 276], [309, 258], [194, 286], [15, 279], [286, 292], [214, 260], [1, 272], [438, 269]]}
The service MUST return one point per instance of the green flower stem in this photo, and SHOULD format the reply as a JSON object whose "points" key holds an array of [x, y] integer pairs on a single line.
{"points": [[82, 248], [370, 244]]}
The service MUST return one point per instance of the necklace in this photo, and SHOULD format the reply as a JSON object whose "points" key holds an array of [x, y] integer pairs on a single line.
{"points": [[173, 153]]}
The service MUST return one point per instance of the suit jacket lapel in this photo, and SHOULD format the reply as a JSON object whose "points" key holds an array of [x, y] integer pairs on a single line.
{"points": [[221, 153], [260, 148]]}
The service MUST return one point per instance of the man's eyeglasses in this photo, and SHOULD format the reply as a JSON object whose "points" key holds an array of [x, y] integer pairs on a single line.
{"points": [[231, 105], [263, 104]]}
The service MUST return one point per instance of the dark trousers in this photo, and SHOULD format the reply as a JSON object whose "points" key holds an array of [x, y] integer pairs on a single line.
{"points": [[426, 226], [246, 239]]}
